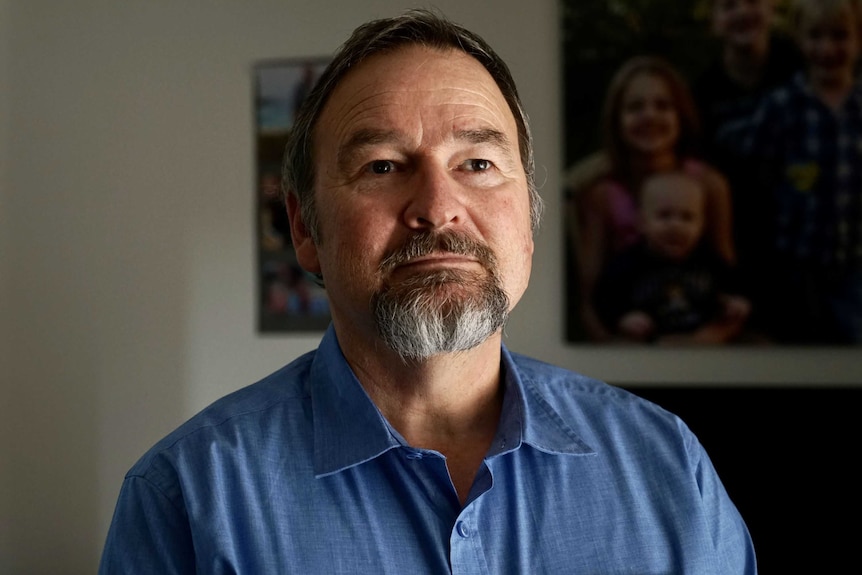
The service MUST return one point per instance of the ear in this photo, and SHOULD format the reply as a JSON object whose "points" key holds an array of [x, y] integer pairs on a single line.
{"points": [[303, 244]]}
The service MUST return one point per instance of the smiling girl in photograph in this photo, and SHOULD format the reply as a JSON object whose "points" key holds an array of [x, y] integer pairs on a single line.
{"points": [[650, 126]]}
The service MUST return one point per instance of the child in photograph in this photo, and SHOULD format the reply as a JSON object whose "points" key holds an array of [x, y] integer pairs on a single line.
{"points": [[808, 134], [671, 287], [650, 126]]}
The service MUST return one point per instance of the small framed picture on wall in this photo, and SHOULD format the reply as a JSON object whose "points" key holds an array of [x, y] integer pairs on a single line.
{"points": [[288, 299]]}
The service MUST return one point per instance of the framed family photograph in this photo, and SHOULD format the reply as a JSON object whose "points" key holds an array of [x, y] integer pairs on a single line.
{"points": [[717, 198]]}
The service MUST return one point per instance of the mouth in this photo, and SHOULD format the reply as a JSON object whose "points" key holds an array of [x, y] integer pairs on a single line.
{"points": [[439, 268], [650, 130], [677, 244], [436, 251], [747, 23], [829, 64], [439, 259]]}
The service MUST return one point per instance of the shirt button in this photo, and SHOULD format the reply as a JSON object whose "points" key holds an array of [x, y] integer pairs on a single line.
{"points": [[414, 454], [463, 530]]}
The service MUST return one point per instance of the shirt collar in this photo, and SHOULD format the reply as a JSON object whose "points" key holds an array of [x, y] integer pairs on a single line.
{"points": [[350, 430], [348, 427], [854, 99], [538, 423]]}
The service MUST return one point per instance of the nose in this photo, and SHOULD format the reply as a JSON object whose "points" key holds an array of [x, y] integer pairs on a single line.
{"points": [[650, 110], [434, 199]]}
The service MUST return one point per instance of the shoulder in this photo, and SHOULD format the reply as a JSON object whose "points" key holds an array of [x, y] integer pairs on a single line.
{"points": [[789, 94], [584, 174], [245, 412], [597, 411], [599, 193], [705, 173]]}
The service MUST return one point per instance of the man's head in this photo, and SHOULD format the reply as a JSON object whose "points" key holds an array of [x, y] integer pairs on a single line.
{"points": [[415, 27], [672, 206], [743, 24], [408, 180]]}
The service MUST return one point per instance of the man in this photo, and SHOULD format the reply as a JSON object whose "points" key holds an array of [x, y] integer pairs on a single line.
{"points": [[411, 441]]}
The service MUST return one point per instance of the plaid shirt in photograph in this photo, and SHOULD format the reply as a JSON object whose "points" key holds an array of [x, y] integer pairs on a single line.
{"points": [[814, 154]]}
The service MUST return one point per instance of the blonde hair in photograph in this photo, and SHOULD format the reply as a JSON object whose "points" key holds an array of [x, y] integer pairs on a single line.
{"points": [[820, 9]]}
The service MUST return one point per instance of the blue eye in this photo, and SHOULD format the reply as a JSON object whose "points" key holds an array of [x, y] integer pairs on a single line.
{"points": [[381, 167]]}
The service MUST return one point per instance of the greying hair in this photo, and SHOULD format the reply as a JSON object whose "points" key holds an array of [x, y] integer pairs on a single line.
{"points": [[415, 27]]}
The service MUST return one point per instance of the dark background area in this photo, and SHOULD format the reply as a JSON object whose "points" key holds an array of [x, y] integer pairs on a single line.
{"points": [[790, 459]]}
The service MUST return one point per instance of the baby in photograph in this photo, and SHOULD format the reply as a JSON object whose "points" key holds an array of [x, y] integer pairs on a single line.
{"points": [[671, 287]]}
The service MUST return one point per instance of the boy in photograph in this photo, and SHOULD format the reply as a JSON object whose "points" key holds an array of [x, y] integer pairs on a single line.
{"points": [[808, 136]]}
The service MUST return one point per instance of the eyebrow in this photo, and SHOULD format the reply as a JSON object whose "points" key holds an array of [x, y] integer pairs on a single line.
{"points": [[361, 139], [485, 136], [369, 137]]}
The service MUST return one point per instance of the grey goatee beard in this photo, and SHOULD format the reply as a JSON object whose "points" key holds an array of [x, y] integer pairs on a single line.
{"points": [[443, 311]]}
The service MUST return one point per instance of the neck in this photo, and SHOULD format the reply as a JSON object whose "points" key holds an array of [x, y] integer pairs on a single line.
{"points": [[832, 91], [644, 165], [744, 64], [435, 399], [449, 403]]}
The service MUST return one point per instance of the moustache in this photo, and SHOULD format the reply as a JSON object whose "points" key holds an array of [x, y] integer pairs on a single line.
{"points": [[424, 243]]}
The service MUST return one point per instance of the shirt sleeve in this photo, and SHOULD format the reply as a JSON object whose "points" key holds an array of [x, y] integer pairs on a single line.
{"points": [[734, 550], [149, 534]]}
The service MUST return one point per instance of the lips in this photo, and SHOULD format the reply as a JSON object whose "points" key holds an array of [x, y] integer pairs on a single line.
{"points": [[651, 130], [830, 63], [438, 258], [434, 249], [747, 24]]}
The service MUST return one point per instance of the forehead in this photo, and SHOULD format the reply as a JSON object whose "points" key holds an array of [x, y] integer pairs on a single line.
{"points": [[646, 82], [410, 87], [720, 6], [829, 14]]}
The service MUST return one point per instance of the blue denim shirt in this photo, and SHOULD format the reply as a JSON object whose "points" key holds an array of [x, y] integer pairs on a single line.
{"points": [[300, 473]]}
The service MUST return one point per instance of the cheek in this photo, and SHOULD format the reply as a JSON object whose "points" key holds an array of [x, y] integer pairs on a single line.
{"points": [[673, 123], [852, 48]]}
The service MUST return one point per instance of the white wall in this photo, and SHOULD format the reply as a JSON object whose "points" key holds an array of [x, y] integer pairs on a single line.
{"points": [[126, 240], [5, 330]]}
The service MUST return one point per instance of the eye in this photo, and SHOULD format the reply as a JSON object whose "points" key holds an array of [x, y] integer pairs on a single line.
{"points": [[477, 165], [839, 35], [381, 167], [663, 105]]}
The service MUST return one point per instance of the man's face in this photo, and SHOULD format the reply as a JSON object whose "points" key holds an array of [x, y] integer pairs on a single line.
{"points": [[418, 143], [742, 23]]}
